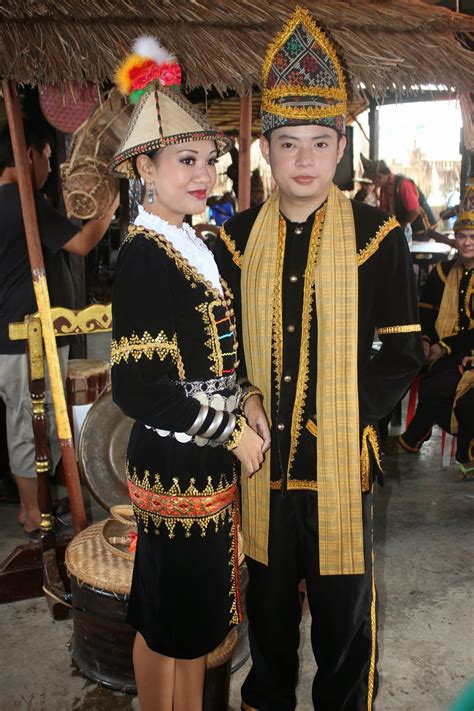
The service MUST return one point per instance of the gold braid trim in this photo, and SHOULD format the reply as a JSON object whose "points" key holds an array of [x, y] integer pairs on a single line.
{"points": [[230, 244], [407, 328], [373, 627], [237, 433], [296, 485], [303, 366], [147, 346], [249, 393], [153, 503], [277, 324], [189, 271], [368, 435], [440, 273], [374, 243]]}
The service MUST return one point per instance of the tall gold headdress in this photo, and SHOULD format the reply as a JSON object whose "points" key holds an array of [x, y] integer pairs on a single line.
{"points": [[302, 78]]}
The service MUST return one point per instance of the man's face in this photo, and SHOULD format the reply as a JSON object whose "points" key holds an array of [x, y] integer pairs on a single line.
{"points": [[303, 160], [464, 240], [381, 179]]}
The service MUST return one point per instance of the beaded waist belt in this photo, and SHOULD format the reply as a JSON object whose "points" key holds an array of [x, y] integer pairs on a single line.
{"points": [[182, 506]]}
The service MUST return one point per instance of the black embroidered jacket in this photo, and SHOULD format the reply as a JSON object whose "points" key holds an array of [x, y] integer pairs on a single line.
{"points": [[387, 302]]}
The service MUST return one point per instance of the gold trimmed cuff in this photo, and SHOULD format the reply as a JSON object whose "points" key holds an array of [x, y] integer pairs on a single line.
{"points": [[253, 390], [408, 328], [236, 436]]}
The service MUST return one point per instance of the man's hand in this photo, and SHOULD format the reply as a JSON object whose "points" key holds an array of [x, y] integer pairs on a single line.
{"points": [[257, 419], [249, 451], [426, 348], [436, 352]]}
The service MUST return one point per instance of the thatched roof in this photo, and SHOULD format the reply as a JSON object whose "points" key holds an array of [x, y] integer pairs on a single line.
{"points": [[386, 43]]}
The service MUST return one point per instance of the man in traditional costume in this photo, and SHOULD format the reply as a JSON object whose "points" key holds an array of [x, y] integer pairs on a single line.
{"points": [[400, 196], [447, 322], [313, 275]]}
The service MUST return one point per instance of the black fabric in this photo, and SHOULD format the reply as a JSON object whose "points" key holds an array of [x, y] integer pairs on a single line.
{"points": [[425, 220], [181, 599], [387, 297], [435, 400], [343, 616], [17, 297], [464, 412]]}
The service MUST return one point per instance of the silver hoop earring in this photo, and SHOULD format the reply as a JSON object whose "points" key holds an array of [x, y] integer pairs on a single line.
{"points": [[150, 195]]}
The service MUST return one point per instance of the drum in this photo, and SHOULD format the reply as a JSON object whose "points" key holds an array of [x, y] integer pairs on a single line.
{"points": [[86, 380], [100, 568]]}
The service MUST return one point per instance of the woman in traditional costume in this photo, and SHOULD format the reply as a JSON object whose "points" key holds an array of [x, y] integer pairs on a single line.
{"points": [[174, 359]]}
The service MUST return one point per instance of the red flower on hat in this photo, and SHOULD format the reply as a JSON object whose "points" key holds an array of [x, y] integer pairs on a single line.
{"points": [[170, 74], [143, 74]]}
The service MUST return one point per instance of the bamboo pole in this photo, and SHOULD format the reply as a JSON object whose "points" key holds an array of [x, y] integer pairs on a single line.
{"points": [[245, 143], [15, 122]]}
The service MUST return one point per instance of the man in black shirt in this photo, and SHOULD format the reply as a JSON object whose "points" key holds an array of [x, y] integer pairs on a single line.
{"points": [[17, 299]]}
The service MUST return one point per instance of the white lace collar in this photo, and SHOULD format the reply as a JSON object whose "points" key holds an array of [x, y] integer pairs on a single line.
{"points": [[185, 240]]}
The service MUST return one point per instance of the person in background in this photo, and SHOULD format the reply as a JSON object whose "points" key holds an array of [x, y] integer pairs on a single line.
{"points": [[400, 196], [447, 322], [17, 300], [367, 192]]}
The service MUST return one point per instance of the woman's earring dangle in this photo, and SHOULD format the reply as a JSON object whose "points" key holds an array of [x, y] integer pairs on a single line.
{"points": [[150, 195]]}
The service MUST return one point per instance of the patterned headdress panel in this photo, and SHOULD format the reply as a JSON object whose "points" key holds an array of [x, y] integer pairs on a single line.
{"points": [[465, 221], [302, 78]]}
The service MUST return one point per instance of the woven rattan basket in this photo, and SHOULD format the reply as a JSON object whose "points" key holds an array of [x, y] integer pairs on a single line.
{"points": [[88, 189]]}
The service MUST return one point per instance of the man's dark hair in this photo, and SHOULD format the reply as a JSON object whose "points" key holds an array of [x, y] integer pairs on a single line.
{"points": [[36, 135]]}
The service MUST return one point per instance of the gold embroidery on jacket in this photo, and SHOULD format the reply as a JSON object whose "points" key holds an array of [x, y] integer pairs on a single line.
{"points": [[212, 342], [138, 346], [374, 243], [277, 325], [408, 328], [230, 244], [441, 274], [189, 271], [303, 366]]}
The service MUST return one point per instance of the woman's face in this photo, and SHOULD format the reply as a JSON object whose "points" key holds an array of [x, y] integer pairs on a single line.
{"points": [[182, 177]]}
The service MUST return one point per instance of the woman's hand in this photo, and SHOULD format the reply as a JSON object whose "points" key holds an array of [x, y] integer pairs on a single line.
{"points": [[257, 419], [249, 451]]}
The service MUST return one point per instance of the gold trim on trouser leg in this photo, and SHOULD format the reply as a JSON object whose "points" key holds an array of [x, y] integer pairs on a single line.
{"points": [[373, 623], [246, 707]]}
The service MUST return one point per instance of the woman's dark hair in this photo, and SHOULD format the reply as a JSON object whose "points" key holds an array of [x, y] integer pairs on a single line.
{"points": [[36, 135], [151, 155]]}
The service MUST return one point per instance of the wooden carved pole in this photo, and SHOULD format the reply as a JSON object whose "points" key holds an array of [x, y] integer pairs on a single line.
{"points": [[245, 143], [40, 286]]}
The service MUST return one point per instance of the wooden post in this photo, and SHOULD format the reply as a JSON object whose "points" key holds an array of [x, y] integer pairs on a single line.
{"points": [[245, 143], [12, 105], [373, 130]]}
